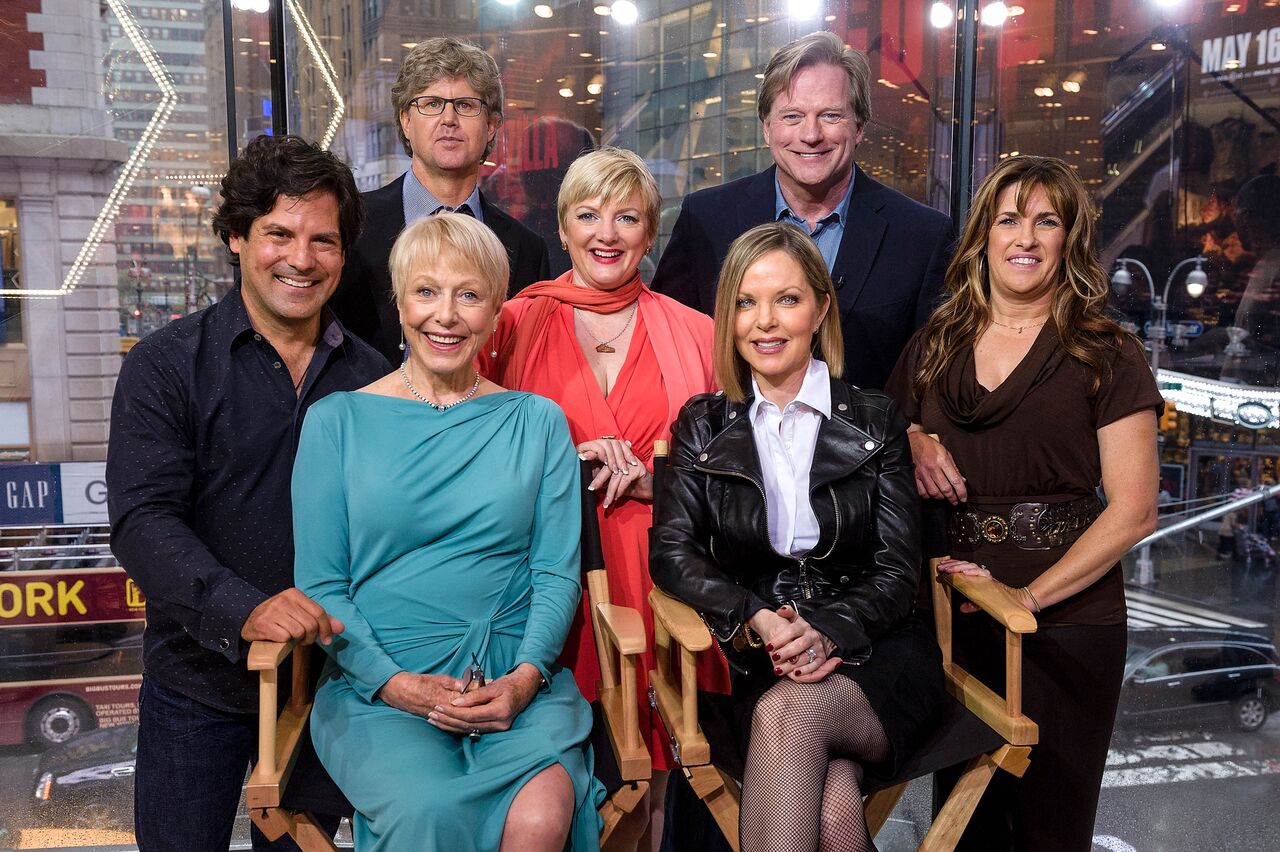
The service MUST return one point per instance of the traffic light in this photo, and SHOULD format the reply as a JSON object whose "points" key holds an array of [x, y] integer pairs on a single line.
{"points": [[1169, 420]]}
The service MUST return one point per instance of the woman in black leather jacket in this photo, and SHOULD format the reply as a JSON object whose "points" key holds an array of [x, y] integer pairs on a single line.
{"points": [[810, 598]]}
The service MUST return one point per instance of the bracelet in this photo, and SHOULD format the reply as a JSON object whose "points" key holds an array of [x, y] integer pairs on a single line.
{"points": [[1027, 589]]}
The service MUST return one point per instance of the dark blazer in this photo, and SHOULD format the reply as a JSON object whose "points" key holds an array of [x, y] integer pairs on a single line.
{"points": [[710, 546], [364, 301], [888, 271]]}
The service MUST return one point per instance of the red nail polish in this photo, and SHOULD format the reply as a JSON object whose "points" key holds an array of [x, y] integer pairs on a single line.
{"points": [[768, 647], [777, 657], [777, 671]]}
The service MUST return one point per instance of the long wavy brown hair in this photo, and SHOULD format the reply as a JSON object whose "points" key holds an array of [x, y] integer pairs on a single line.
{"points": [[1079, 301]]}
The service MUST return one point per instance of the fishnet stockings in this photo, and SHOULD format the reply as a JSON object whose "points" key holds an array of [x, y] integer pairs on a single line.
{"points": [[801, 790]]}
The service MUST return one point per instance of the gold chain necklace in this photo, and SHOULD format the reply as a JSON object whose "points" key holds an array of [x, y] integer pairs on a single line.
{"points": [[1019, 328], [602, 346]]}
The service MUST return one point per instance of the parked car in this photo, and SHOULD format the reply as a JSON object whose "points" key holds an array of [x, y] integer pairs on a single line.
{"points": [[1186, 673], [87, 782]]}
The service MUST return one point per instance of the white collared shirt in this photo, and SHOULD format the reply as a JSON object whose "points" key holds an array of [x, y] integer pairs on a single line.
{"points": [[785, 442]]}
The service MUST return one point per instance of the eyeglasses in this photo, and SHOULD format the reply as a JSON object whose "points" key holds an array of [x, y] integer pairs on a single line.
{"points": [[432, 105], [473, 676]]}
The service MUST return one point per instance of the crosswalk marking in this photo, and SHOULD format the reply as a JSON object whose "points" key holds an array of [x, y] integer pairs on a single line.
{"points": [[1149, 610], [1170, 757]]}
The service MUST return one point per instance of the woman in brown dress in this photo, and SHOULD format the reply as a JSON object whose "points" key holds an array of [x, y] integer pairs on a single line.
{"points": [[1036, 398]]}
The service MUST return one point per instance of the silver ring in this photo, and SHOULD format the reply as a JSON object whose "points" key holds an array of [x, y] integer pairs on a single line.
{"points": [[475, 734], [813, 655]]}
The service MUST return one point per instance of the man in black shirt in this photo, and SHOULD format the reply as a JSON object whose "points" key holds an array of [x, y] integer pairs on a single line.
{"points": [[204, 426]]}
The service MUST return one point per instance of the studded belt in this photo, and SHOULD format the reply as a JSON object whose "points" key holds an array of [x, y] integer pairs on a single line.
{"points": [[1029, 526]]}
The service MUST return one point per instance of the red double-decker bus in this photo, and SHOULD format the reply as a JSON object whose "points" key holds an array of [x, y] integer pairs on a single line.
{"points": [[70, 635]]}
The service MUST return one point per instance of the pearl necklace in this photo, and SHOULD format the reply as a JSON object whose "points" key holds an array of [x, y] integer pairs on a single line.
{"points": [[475, 386]]}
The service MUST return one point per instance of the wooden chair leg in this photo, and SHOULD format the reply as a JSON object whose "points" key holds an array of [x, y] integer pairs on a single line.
{"points": [[309, 836], [621, 804], [274, 823], [879, 805], [950, 823], [722, 796]]}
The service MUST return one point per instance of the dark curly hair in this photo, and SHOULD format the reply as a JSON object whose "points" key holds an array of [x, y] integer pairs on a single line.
{"points": [[272, 166]]}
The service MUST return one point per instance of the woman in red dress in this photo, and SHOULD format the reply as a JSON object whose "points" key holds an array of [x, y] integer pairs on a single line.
{"points": [[621, 361]]}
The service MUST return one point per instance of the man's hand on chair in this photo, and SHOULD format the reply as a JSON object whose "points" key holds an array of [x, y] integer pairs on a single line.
{"points": [[290, 615]]}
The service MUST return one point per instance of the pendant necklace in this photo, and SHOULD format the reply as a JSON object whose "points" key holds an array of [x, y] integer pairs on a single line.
{"points": [[602, 346], [436, 405], [1019, 328]]}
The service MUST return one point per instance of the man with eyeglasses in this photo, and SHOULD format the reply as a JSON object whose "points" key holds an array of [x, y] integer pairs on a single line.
{"points": [[886, 253], [448, 98]]}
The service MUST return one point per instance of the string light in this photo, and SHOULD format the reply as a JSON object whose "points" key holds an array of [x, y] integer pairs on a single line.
{"points": [[132, 165], [312, 42]]}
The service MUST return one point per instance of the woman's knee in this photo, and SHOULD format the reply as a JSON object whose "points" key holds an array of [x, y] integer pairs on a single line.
{"points": [[542, 811], [789, 705]]}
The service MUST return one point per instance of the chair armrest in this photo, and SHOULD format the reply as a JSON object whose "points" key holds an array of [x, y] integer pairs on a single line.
{"points": [[994, 599], [682, 623], [264, 655], [623, 627], [279, 731]]}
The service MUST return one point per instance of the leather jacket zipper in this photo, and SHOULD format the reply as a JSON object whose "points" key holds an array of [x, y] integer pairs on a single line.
{"points": [[835, 504]]}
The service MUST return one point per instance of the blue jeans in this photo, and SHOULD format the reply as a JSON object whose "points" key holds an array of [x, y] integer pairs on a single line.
{"points": [[191, 767]]}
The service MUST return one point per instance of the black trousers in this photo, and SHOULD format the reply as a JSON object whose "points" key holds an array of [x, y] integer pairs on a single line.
{"points": [[1071, 679]]}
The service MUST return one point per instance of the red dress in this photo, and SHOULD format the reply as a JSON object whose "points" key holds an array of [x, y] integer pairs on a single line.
{"points": [[639, 409]]}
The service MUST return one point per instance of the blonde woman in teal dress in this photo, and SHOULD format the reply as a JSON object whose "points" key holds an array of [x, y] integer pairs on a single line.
{"points": [[437, 516]]}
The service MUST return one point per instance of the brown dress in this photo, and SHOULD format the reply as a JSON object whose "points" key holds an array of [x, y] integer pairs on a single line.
{"points": [[1035, 439]]}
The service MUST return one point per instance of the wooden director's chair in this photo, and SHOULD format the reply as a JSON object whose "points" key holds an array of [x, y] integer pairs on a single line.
{"points": [[622, 759], [979, 728]]}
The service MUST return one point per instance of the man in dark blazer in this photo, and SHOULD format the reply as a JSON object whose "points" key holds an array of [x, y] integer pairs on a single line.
{"points": [[448, 97], [887, 254]]}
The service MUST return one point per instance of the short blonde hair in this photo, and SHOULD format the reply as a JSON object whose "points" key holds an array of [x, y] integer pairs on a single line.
{"points": [[820, 48], [732, 371], [612, 175], [449, 238]]}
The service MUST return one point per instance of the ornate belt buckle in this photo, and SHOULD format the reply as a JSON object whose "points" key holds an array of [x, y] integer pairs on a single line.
{"points": [[995, 529]]}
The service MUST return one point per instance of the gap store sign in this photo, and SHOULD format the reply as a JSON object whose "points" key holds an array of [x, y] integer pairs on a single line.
{"points": [[69, 493]]}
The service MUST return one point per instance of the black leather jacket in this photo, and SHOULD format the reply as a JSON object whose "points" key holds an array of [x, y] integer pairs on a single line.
{"points": [[710, 547]]}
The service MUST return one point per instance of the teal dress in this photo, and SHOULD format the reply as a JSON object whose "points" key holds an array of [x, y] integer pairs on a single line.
{"points": [[434, 535]]}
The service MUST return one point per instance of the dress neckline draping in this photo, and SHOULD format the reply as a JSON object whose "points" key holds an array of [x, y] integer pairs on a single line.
{"points": [[968, 404]]}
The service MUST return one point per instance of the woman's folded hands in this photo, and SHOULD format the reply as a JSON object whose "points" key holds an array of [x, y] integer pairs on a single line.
{"points": [[419, 693], [798, 650], [489, 708], [620, 472]]}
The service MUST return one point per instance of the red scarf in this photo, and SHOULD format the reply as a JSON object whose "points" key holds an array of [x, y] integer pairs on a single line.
{"points": [[547, 298]]}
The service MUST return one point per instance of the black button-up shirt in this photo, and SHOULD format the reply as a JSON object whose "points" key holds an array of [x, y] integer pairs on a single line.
{"points": [[204, 427]]}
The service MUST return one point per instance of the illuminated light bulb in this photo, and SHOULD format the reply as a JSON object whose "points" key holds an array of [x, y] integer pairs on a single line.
{"points": [[803, 10], [941, 15], [994, 14], [625, 12]]}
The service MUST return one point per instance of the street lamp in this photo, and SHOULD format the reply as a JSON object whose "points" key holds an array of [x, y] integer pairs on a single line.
{"points": [[1197, 280]]}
